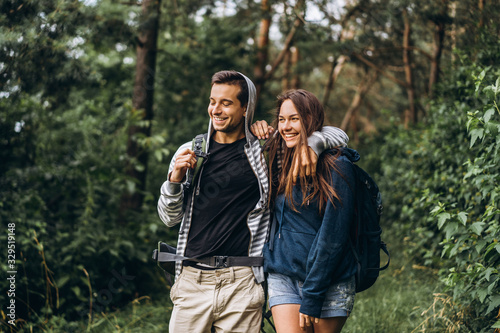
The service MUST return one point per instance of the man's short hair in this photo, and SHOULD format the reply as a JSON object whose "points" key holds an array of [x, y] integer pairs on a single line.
{"points": [[233, 78]]}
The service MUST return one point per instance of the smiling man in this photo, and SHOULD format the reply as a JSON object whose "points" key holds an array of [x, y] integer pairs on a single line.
{"points": [[227, 113], [226, 217]]}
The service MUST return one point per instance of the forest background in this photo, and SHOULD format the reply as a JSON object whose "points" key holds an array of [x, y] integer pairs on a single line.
{"points": [[96, 96]]}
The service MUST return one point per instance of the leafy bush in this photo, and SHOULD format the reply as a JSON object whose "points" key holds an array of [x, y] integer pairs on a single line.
{"points": [[60, 186], [440, 182], [471, 245]]}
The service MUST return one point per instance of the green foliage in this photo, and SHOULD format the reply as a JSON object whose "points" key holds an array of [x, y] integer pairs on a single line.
{"points": [[60, 190], [472, 231], [64, 113], [441, 179]]}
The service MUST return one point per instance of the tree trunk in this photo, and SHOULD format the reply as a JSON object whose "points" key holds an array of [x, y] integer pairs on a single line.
{"points": [[367, 126], [407, 65], [288, 40], [295, 56], [439, 31], [354, 125], [481, 13], [407, 117], [142, 101], [262, 46], [436, 57], [261, 76], [361, 91], [337, 66], [338, 63], [286, 46], [453, 32], [285, 81]]}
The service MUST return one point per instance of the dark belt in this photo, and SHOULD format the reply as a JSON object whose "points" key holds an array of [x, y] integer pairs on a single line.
{"points": [[225, 261], [214, 261]]}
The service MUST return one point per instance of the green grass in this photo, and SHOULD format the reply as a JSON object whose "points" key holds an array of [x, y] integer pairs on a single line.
{"points": [[141, 315], [396, 302]]}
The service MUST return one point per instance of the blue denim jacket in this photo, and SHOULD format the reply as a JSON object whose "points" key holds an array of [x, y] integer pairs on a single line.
{"points": [[315, 248]]}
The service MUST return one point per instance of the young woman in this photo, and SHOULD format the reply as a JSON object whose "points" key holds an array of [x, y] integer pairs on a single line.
{"points": [[309, 264]]}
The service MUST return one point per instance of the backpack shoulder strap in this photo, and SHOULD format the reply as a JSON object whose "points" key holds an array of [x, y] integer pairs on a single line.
{"points": [[198, 147], [264, 150]]}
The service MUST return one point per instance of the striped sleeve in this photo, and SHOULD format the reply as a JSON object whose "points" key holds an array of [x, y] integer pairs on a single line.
{"points": [[171, 198], [328, 138]]}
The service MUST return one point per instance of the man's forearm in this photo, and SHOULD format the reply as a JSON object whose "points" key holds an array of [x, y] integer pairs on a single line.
{"points": [[170, 203], [329, 137]]}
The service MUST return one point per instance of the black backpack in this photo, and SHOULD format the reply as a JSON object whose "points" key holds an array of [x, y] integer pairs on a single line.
{"points": [[366, 241]]}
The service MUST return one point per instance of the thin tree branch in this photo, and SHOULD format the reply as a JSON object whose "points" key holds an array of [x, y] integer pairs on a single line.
{"points": [[361, 91], [337, 66], [378, 69], [288, 41], [411, 48]]}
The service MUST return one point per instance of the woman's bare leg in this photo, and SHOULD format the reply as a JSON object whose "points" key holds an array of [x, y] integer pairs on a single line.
{"points": [[286, 319], [330, 325]]}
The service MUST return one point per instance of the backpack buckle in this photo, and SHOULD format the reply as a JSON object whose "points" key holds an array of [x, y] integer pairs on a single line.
{"points": [[201, 154]]}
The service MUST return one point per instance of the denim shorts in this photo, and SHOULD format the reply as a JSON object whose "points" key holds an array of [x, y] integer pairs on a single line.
{"points": [[339, 299]]}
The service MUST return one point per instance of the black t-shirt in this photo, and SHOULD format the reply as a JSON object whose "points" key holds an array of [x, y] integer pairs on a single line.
{"points": [[229, 190]]}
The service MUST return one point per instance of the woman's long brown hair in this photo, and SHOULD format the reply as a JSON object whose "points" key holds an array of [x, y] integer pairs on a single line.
{"points": [[317, 186]]}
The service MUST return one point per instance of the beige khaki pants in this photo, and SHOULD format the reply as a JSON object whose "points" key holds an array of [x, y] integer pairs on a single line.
{"points": [[223, 300]]}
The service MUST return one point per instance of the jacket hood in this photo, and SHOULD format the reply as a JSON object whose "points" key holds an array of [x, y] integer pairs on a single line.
{"points": [[351, 154], [252, 98]]}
